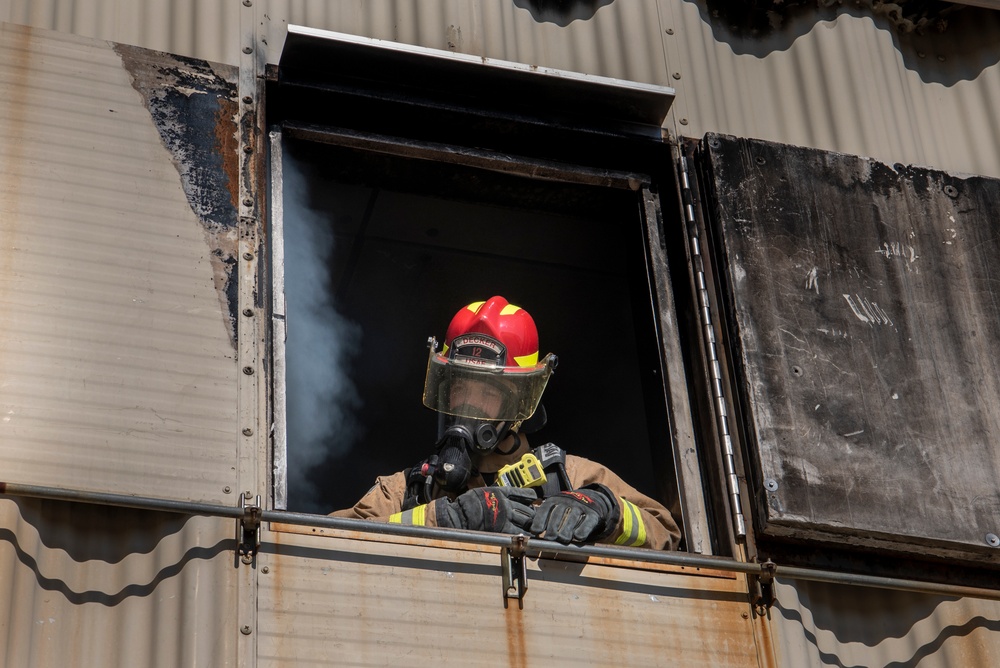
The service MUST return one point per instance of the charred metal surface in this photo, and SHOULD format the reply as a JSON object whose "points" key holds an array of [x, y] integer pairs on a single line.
{"points": [[861, 306], [193, 105], [760, 18], [560, 12]]}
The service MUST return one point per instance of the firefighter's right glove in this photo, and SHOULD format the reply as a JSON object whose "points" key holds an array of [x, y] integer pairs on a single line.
{"points": [[579, 516], [497, 509]]}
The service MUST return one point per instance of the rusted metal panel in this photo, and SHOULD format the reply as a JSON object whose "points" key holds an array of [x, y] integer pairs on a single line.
{"points": [[87, 585], [816, 624], [367, 602], [864, 319], [116, 237]]}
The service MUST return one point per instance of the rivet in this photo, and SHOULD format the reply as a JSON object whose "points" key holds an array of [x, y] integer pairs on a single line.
{"points": [[951, 191], [745, 615], [248, 312], [941, 58], [771, 485], [248, 370], [265, 569], [248, 149], [992, 540], [248, 256], [684, 121], [227, 489], [797, 370], [921, 54], [247, 99], [677, 75], [247, 431], [248, 202], [247, 49], [247, 559], [247, 3], [246, 630], [670, 31], [760, 160]]}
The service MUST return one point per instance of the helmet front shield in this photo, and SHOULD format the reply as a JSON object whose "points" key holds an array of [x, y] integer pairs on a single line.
{"points": [[463, 388]]}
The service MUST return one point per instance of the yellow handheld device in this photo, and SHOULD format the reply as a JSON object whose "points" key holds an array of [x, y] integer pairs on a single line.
{"points": [[524, 473]]}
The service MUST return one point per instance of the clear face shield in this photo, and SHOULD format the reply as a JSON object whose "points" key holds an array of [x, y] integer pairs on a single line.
{"points": [[483, 390]]}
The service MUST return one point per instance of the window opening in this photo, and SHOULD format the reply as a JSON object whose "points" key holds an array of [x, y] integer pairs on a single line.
{"points": [[381, 250]]}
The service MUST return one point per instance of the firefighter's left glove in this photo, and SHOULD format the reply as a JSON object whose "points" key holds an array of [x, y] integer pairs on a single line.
{"points": [[579, 516], [497, 509]]}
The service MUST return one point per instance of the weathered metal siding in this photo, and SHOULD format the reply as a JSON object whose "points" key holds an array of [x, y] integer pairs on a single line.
{"points": [[850, 83], [116, 351], [86, 585], [359, 602], [817, 624]]}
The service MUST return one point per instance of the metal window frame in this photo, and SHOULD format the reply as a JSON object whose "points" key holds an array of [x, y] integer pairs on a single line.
{"points": [[685, 459]]}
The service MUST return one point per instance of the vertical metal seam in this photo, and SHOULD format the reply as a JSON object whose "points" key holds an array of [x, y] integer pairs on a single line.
{"points": [[715, 367], [250, 367]]}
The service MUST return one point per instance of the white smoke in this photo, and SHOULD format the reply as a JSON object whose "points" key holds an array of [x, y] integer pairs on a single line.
{"points": [[321, 399]]}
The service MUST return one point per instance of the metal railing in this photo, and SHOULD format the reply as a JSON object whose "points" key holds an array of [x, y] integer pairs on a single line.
{"points": [[530, 546]]}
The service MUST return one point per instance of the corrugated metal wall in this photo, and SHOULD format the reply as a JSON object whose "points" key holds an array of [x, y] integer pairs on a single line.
{"points": [[73, 592], [117, 359], [852, 84], [115, 344], [84, 585]]}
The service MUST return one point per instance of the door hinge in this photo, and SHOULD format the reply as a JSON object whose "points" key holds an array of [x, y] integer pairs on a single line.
{"points": [[248, 529], [762, 588], [514, 570]]}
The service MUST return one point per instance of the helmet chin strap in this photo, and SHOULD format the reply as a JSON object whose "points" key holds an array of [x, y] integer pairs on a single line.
{"points": [[513, 448]]}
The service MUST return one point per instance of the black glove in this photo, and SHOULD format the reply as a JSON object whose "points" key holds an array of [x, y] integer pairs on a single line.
{"points": [[497, 509], [582, 515]]}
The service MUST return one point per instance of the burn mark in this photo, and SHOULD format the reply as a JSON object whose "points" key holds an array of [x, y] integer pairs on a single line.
{"points": [[193, 105]]}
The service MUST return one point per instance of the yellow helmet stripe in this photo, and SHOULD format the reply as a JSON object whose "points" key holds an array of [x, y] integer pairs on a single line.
{"points": [[527, 360], [474, 306], [509, 309]]}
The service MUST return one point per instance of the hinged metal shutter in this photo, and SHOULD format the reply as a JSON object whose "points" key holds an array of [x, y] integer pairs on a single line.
{"points": [[861, 302]]}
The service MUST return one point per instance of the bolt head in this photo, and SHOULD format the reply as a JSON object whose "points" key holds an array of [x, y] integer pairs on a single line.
{"points": [[992, 540], [246, 630], [248, 431]]}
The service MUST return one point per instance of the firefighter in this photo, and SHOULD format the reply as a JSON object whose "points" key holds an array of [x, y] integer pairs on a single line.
{"points": [[486, 384]]}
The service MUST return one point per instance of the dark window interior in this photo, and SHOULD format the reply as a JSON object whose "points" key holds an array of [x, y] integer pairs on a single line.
{"points": [[401, 244]]}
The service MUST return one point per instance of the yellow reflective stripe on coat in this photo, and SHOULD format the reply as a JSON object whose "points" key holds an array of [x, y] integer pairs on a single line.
{"points": [[633, 528], [414, 516]]}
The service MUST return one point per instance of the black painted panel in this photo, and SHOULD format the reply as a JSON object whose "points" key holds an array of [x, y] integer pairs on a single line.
{"points": [[862, 303]]}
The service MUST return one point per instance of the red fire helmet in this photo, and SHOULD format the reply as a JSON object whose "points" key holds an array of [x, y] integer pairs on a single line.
{"points": [[493, 343], [508, 325]]}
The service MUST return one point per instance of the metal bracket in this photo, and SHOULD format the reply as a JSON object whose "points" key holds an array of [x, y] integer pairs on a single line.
{"points": [[763, 587], [514, 570], [248, 529]]}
